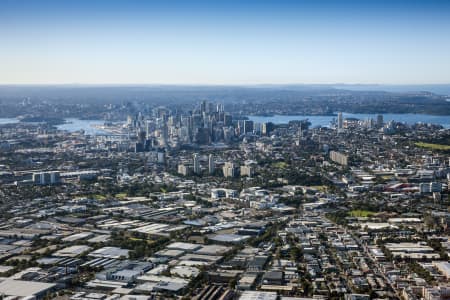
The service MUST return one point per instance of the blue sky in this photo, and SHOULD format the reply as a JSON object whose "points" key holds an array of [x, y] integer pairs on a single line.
{"points": [[224, 42]]}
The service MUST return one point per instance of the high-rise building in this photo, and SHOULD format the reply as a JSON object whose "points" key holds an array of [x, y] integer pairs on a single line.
{"points": [[248, 126], [266, 128], [44, 178], [196, 164], [340, 120], [211, 164], [220, 107], [248, 171], [339, 158], [227, 120], [164, 136], [380, 121], [149, 128], [183, 170], [229, 169], [204, 106]]}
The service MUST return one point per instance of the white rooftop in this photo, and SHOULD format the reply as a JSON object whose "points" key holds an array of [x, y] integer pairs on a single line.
{"points": [[256, 295], [110, 252], [21, 288], [183, 246]]}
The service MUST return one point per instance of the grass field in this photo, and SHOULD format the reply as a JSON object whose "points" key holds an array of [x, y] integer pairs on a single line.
{"points": [[320, 188], [99, 197], [121, 196], [280, 165], [358, 213], [433, 146]]}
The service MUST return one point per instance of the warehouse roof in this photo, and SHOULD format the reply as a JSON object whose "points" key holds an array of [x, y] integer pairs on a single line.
{"points": [[21, 288]]}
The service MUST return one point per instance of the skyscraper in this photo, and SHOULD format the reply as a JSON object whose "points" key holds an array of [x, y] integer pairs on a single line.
{"points": [[196, 164], [211, 165], [340, 121], [380, 121], [227, 120], [164, 136], [248, 126], [203, 106]]}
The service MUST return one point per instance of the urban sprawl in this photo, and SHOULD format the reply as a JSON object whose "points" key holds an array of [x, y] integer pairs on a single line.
{"points": [[207, 205]]}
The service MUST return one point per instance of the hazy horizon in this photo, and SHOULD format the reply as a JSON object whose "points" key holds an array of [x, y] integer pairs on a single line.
{"points": [[442, 89]]}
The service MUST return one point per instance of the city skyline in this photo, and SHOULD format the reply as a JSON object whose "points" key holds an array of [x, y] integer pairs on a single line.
{"points": [[226, 43]]}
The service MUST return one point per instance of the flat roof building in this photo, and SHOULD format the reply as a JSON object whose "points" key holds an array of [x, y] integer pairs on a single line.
{"points": [[22, 288], [256, 295]]}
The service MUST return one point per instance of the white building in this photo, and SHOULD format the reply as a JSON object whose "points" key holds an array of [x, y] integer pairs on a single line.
{"points": [[229, 169], [247, 171]]}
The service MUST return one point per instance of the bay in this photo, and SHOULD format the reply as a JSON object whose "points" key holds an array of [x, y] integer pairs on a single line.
{"points": [[74, 124], [8, 121], [324, 121]]}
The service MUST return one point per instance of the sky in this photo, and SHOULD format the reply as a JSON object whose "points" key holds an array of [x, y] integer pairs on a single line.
{"points": [[224, 42]]}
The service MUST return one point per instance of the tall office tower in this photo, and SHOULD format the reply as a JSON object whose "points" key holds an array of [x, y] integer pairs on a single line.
{"points": [[257, 128], [149, 129], [380, 121], [202, 136], [196, 164], [211, 165], [264, 129], [228, 134], [197, 121], [164, 136], [340, 121], [227, 120], [171, 121], [184, 134], [129, 120], [267, 128], [248, 126], [203, 106], [141, 135], [210, 108]]}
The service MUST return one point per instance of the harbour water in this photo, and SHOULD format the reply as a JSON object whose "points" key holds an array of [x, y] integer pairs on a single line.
{"points": [[74, 124], [71, 125], [8, 121], [324, 121]]}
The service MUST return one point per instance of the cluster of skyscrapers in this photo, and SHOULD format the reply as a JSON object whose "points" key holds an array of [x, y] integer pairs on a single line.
{"points": [[343, 123], [208, 123]]}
